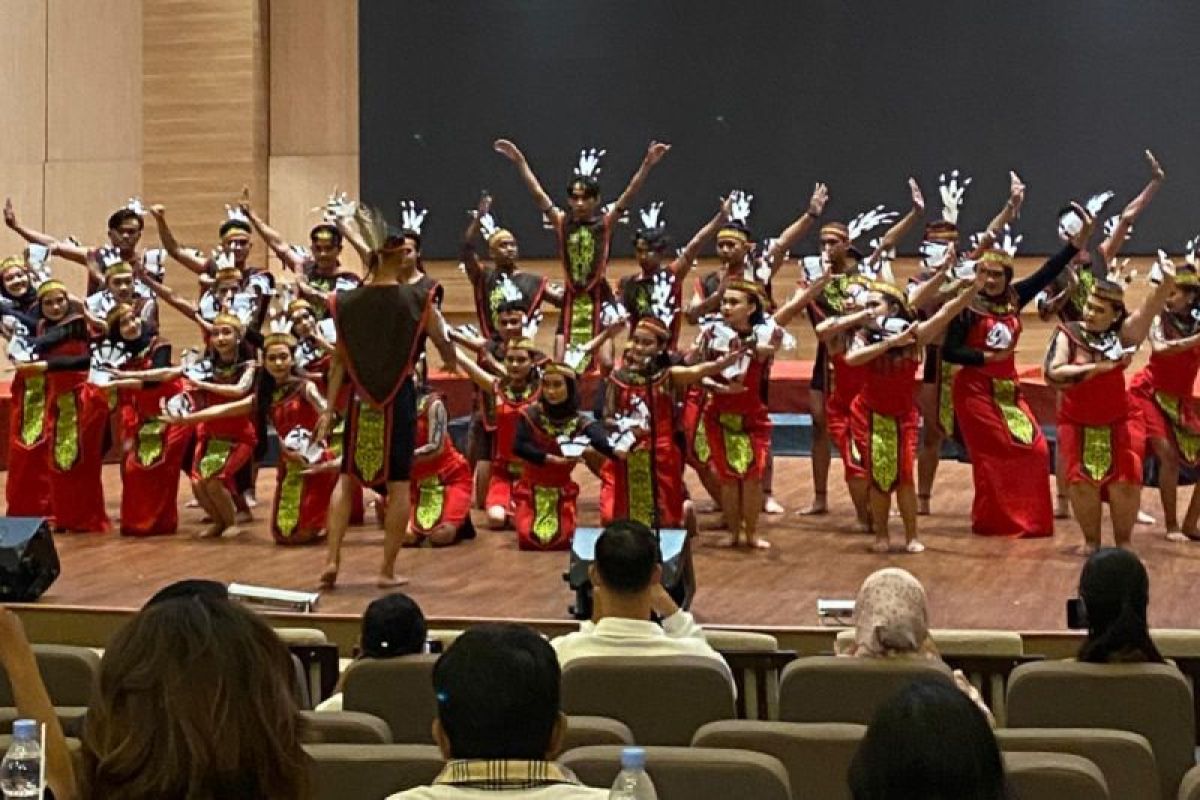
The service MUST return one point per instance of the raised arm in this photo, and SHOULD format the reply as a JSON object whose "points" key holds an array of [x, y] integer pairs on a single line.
{"points": [[691, 250], [800, 299], [1113, 243], [171, 297], [470, 259], [902, 228], [828, 328], [355, 239], [485, 380], [1136, 326], [799, 228], [437, 329], [279, 246], [929, 330], [542, 200], [71, 252], [172, 246], [654, 154], [1010, 211]]}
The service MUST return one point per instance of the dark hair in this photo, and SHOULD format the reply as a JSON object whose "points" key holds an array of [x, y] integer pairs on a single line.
{"points": [[392, 626], [590, 185], [739, 226], [928, 742], [414, 237], [657, 239], [512, 305], [264, 389], [626, 554], [497, 693], [233, 225], [196, 698], [189, 587], [122, 215], [326, 229], [1115, 590]]}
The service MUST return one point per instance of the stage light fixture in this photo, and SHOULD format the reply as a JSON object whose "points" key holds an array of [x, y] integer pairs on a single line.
{"points": [[277, 599]]}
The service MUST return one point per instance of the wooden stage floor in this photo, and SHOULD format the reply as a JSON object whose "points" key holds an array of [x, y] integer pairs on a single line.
{"points": [[972, 581]]}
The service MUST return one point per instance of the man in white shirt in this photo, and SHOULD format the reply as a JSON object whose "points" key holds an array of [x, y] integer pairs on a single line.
{"points": [[626, 578], [498, 723]]}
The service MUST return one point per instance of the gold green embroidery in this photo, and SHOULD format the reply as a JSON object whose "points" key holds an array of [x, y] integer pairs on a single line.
{"points": [[639, 482], [287, 508], [738, 453], [545, 513], [1083, 287], [337, 438], [582, 325], [581, 253], [66, 432], [368, 441], [1186, 440], [885, 451], [700, 443], [431, 499], [33, 410], [1004, 394], [216, 453], [150, 442], [1097, 451], [946, 399]]}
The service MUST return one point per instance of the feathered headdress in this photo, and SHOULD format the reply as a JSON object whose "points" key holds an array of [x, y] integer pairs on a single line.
{"points": [[952, 192], [588, 165], [136, 205], [279, 331], [412, 218], [651, 216], [1004, 248]]}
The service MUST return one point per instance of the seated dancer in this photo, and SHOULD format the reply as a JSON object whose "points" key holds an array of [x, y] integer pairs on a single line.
{"points": [[1008, 452], [440, 484], [883, 417], [152, 451], [735, 413], [584, 238], [381, 328], [306, 472], [1162, 392], [1100, 432], [507, 396], [552, 437]]}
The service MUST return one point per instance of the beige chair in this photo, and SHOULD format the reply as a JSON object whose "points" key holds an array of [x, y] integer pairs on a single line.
{"points": [[588, 731], [70, 673], [663, 699], [305, 636], [817, 756], [1054, 776], [840, 689], [720, 639], [1125, 759], [344, 727], [689, 773], [1177, 642], [1153, 700], [1189, 789], [756, 662], [397, 690], [370, 772]]}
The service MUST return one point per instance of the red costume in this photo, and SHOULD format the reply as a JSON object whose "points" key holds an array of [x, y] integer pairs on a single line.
{"points": [[544, 496], [884, 423], [583, 250], [441, 485], [27, 490], [506, 467], [301, 501], [739, 428], [844, 383], [1162, 393], [223, 446]]}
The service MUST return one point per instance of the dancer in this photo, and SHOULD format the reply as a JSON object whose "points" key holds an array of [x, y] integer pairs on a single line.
{"points": [[584, 237], [381, 328], [883, 418], [1100, 433], [440, 484], [1009, 455], [235, 237]]}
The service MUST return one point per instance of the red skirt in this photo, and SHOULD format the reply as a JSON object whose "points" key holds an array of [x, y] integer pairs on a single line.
{"points": [[887, 445], [837, 422], [544, 515], [1103, 454], [27, 490], [150, 466], [78, 423], [740, 443], [697, 453], [1167, 416], [1010, 461], [301, 504], [504, 476], [220, 457], [441, 496], [627, 491]]}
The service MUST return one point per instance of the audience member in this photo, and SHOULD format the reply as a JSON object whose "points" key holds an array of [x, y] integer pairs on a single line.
{"points": [[1115, 591], [626, 578], [498, 723], [189, 587], [392, 626], [929, 742]]}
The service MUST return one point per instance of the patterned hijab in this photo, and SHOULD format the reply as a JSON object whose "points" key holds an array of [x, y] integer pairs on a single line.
{"points": [[892, 618]]}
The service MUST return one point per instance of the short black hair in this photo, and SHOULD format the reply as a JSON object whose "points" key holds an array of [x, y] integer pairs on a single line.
{"points": [[928, 742], [513, 305], [497, 689], [657, 239], [393, 626], [591, 186], [122, 215], [233, 225], [325, 229], [626, 554], [190, 587], [414, 236]]}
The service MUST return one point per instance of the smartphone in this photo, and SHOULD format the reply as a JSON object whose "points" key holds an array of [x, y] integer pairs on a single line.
{"points": [[1076, 614]]}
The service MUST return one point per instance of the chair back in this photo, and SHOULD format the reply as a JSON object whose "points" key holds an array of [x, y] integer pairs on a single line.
{"points": [[840, 689], [397, 690], [1125, 759], [689, 773], [69, 673], [1054, 776], [344, 727], [583, 731], [339, 771]]}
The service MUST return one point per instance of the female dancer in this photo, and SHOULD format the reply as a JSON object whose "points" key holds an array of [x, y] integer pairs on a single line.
{"points": [[27, 488], [440, 485]]}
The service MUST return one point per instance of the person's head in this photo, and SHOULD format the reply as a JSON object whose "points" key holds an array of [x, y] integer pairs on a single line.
{"points": [[627, 561], [14, 279], [119, 282], [277, 356], [939, 244], [651, 246], [742, 305], [1105, 307], [497, 689], [190, 587], [734, 243], [235, 239], [195, 699], [648, 342], [519, 360], [125, 229], [884, 300], [558, 389], [996, 267], [124, 323], [1115, 591], [53, 300], [890, 615], [502, 247], [227, 282], [304, 322], [325, 242], [510, 319], [1185, 294], [928, 742], [835, 244], [583, 197], [392, 626], [226, 335]]}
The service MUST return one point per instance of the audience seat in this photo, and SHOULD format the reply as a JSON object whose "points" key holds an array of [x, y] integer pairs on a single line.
{"points": [[756, 662], [397, 690], [344, 727], [1054, 776], [583, 731], [689, 773], [370, 772], [663, 699], [1189, 789], [69, 672], [1176, 642], [1151, 699], [817, 756], [840, 689], [1125, 759]]}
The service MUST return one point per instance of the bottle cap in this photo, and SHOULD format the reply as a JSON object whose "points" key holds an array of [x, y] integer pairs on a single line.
{"points": [[633, 758], [25, 729]]}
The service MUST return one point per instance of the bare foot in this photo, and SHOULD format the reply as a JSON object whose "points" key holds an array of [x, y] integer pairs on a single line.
{"points": [[864, 525], [251, 500], [232, 531], [922, 505], [914, 547], [771, 506], [193, 503], [243, 517], [329, 575], [760, 544], [1144, 519], [879, 546], [390, 581], [1177, 536], [1085, 550], [817, 507], [1062, 510], [212, 531], [708, 508]]}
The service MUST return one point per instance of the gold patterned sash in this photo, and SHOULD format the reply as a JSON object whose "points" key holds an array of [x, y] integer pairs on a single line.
{"points": [[1187, 441], [291, 492], [150, 442], [1097, 453], [582, 325], [66, 432], [545, 513], [1020, 426], [431, 500], [738, 453], [885, 451], [639, 484], [216, 453], [33, 410], [370, 428]]}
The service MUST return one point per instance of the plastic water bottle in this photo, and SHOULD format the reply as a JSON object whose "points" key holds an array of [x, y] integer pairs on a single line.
{"points": [[633, 783], [21, 769]]}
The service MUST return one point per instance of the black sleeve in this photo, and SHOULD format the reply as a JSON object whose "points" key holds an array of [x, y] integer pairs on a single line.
{"points": [[68, 363], [27, 319], [1027, 288], [955, 349], [524, 447], [254, 338], [161, 357], [598, 439], [58, 333]]}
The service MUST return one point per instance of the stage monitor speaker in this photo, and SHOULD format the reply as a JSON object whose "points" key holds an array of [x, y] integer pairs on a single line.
{"points": [[28, 560], [677, 574]]}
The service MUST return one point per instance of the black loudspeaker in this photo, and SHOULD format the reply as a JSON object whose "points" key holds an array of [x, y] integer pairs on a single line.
{"points": [[677, 574], [28, 560]]}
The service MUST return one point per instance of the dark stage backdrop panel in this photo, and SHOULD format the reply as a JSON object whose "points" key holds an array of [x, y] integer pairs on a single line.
{"points": [[772, 95]]}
